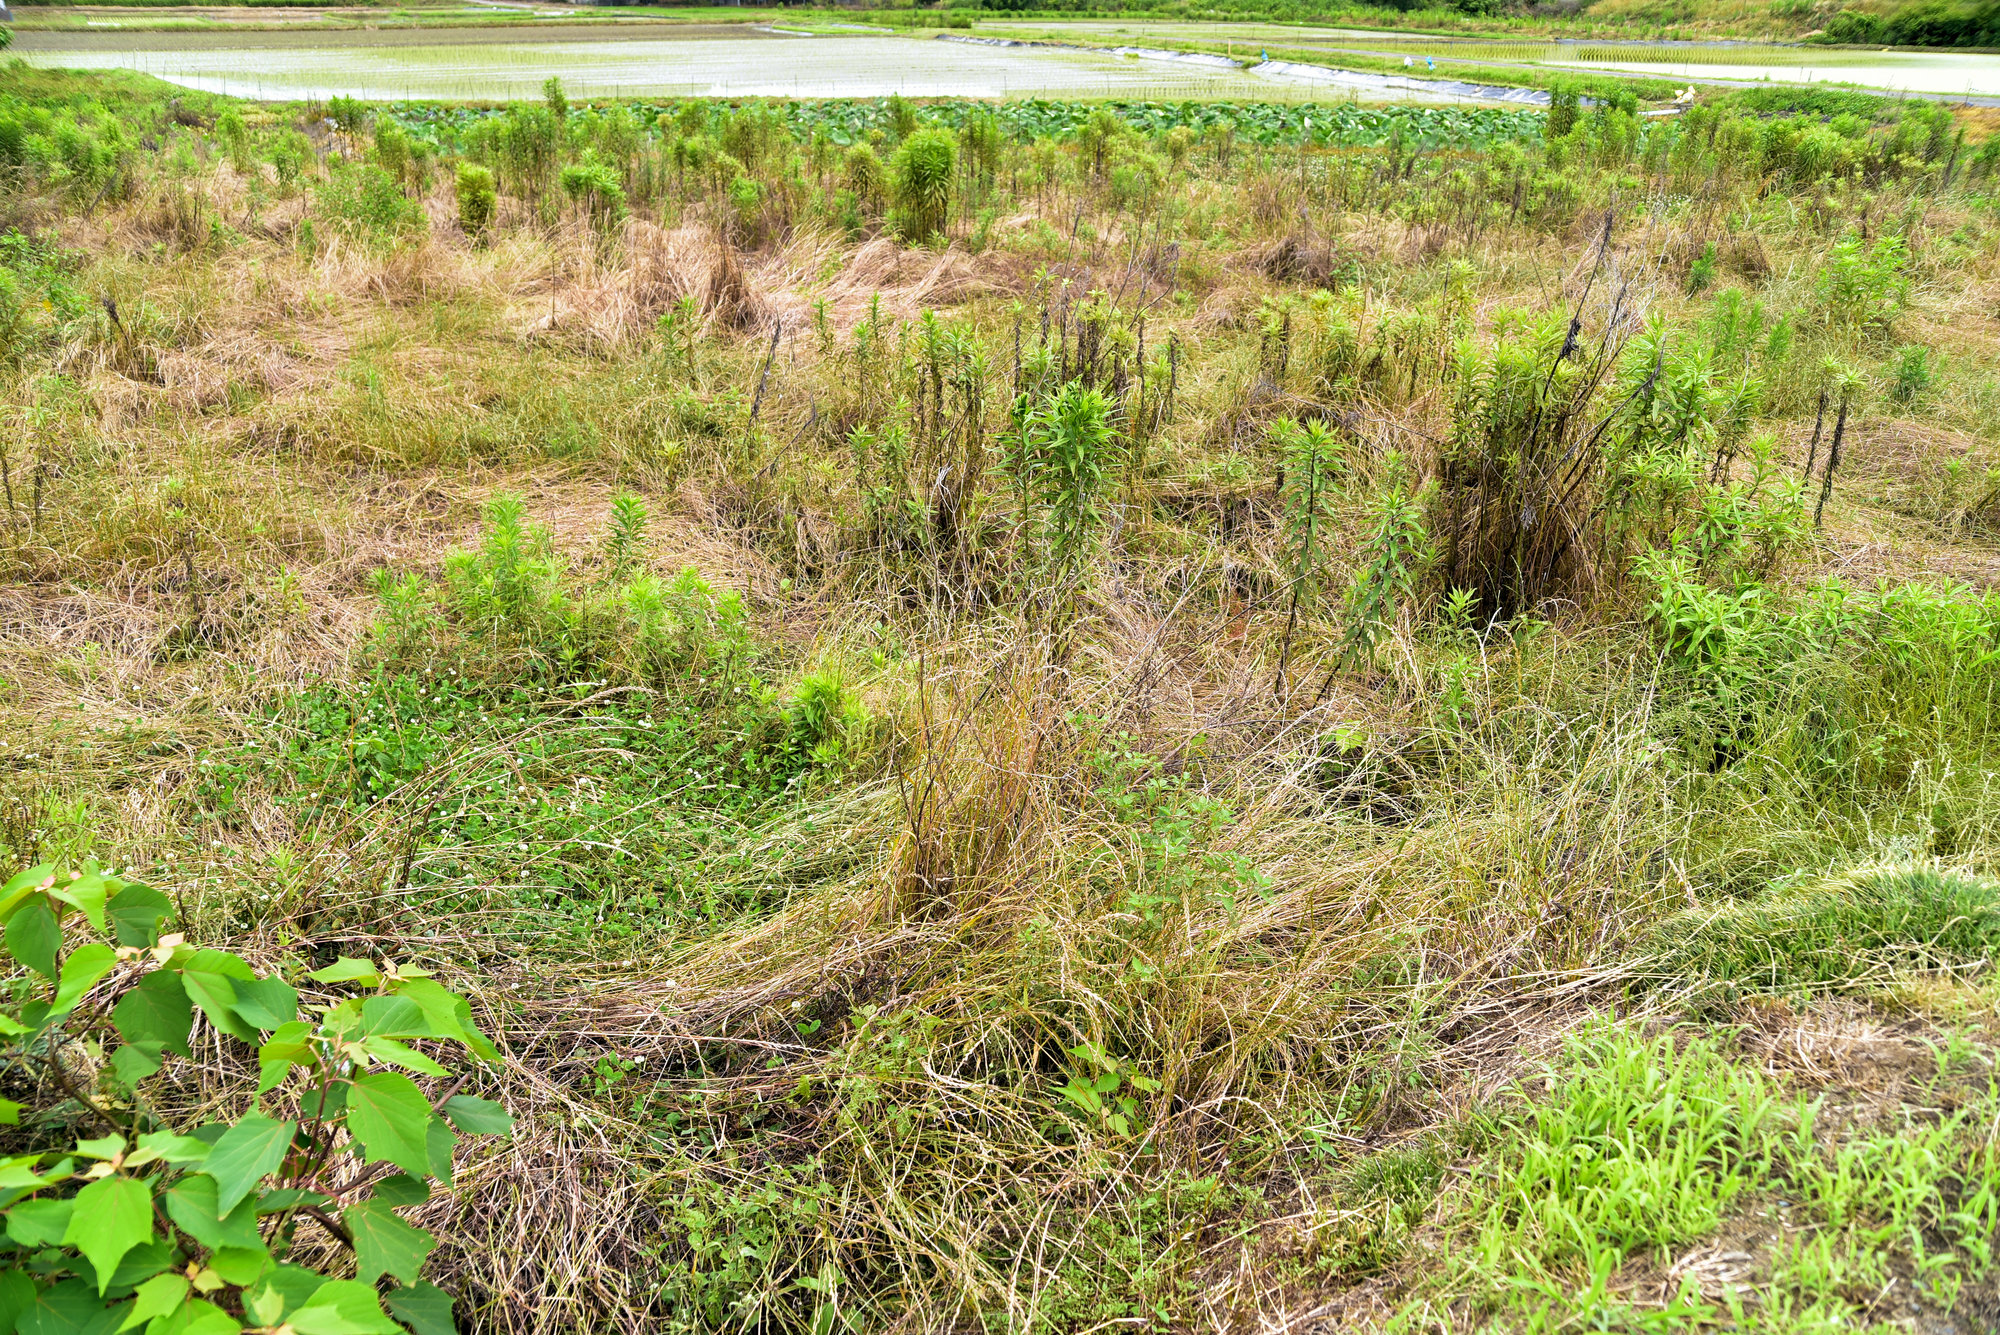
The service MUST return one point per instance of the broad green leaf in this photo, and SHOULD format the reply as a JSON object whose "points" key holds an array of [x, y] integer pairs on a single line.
{"points": [[402, 1189], [17, 1295], [424, 1308], [102, 1147], [190, 1204], [345, 970], [86, 891], [283, 1290], [195, 1318], [220, 962], [343, 1307], [72, 1307], [439, 1142], [10, 1115], [391, 1117], [140, 1264], [240, 1265], [385, 1244], [175, 1149], [401, 1054], [112, 1216], [33, 935], [394, 1017], [440, 1008], [39, 1223], [80, 972], [215, 993], [156, 1010], [135, 1062], [136, 914], [246, 1154], [266, 1003], [477, 1117], [156, 1297], [23, 884], [9, 1025], [287, 1047], [323, 1105]]}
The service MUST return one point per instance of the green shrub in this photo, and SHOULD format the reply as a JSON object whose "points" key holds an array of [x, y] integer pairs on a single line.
{"points": [[594, 183], [1563, 110], [140, 1222], [1910, 375], [478, 201], [1862, 285], [362, 200], [291, 153], [922, 169], [821, 722]]}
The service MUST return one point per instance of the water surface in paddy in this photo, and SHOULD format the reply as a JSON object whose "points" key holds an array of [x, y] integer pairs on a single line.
{"points": [[733, 66], [1945, 73]]}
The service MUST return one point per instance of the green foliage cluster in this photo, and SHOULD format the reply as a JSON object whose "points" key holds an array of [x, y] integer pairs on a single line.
{"points": [[922, 172], [362, 200], [140, 1224], [83, 151], [1924, 23]]}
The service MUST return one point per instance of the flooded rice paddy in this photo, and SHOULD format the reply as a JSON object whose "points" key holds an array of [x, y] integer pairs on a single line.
{"points": [[616, 63], [1935, 73], [1247, 61]]}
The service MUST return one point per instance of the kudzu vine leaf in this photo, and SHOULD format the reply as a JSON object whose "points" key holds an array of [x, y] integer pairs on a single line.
{"points": [[400, 1054], [394, 1017], [402, 1189], [135, 1062], [391, 1118], [111, 1216], [136, 914], [343, 1307], [156, 1297], [191, 1205], [23, 884], [85, 965], [345, 970], [87, 892], [476, 1116], [39, 1223], [440, 1008], [68, 1308], [175, 1149], [17, 1295], [156, 1010], [215, 993], [241, 1266], [440, 1142], [196, 1318], [288, 1046], [424, 1308], [33, 935], [246, 1154], [384, 1243], [266, 1003]]}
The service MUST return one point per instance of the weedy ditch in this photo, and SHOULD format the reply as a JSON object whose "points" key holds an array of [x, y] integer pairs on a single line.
{"points": [[1003, 717]]}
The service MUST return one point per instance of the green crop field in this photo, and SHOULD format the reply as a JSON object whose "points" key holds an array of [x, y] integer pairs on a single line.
{"points": [[1174, 711]]}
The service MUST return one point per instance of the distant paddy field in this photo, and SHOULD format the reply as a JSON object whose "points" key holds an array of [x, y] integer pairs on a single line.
{"points": [[603, 60], [1933, 73]]}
